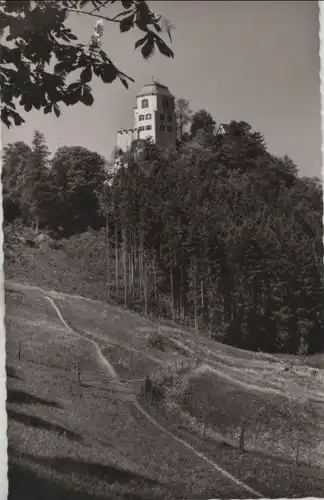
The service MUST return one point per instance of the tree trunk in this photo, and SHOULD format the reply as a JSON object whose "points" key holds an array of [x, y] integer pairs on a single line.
{"points": [[140, 263], [182, 311], [125, 266], [107, 258], [195, 294], [171, 287], [116, 259], [202, 292], [145, 288], [241, 445]]}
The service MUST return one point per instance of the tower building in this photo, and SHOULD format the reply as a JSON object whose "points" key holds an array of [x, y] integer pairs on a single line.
{"points": [[154, 116]]}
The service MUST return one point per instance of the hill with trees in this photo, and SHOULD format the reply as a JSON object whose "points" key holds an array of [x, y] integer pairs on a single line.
{"points": [[217, 233]]}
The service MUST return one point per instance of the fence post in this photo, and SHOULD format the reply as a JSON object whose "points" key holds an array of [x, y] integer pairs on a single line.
{"points": [[178, 418], [204, 430], [241, 445], [297, 451], [78, 373]]}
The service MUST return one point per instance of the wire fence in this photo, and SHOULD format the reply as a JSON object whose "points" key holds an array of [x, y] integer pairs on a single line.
{"points": [[82, 376], [100, 385]]}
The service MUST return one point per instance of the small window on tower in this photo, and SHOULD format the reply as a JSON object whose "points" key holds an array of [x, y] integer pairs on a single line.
{"points": [[170, 129], [141, 128], [165, 103], [169, 118], [148, 127], [162, 127], [141, 117], [148, 116], [162, 116], [145, 103]]}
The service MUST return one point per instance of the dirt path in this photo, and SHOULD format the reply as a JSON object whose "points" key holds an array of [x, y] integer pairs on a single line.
{"points": [[106, 365]]}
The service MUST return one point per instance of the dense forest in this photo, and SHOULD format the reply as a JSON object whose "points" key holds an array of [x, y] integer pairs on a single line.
{"points": [[216, 233]]}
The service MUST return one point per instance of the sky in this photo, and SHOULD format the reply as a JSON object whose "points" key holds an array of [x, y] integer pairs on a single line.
{"points": [[240, 60]]}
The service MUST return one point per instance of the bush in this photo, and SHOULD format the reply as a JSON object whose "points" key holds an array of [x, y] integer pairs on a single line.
{"points": [[152, 390], [156, 340]]}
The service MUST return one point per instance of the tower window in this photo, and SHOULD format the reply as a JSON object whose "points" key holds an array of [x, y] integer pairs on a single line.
{"points": [[148, 116], [141, 117], [162, 116], [165, 103], [141, 128], [162, 127], [148, 127], [145, 103], [170, 129], [169, 118]]}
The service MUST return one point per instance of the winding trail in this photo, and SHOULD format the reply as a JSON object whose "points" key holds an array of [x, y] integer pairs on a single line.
{"points": [[106, 365]]}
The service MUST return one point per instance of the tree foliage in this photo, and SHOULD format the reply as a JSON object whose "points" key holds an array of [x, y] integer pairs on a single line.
{"points": [[202, 121], [217, 234], [77, 176], [43, 65], [183, 115]]}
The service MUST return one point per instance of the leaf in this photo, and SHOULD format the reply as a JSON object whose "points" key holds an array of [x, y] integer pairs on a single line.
{"points": [[157, 27], [148, 49], [127, 4], [86, 75], [73, 94], [28, 106], [124, 82], [56, 110], [163, 48], [126, 23], [141, 41], [108, 73], [17, 118], [47, 109], [87, 97], [60, 67]]}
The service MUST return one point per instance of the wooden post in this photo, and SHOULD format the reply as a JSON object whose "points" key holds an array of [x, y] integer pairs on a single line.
{"points": [[107, 258], [178, 418], [204, 430], [241, 445], [297, 451]]}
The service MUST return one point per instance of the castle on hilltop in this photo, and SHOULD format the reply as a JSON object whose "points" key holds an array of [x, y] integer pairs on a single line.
{"points": [[154, 117]]}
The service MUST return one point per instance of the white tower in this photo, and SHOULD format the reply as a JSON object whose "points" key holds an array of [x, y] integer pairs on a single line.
{"points": [[154, 115]]}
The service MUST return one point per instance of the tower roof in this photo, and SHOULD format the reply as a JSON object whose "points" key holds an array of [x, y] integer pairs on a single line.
{"points": [[154, 88]]}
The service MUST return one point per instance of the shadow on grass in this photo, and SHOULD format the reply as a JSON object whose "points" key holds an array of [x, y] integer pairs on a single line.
{"points": [[25, 483], [21, 397], [39, 423], [11, 373], [290, 462], [107, 473]]}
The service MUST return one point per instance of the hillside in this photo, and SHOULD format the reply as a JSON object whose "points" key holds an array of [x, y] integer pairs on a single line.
{"points": [[75, 265], [204, 384]]}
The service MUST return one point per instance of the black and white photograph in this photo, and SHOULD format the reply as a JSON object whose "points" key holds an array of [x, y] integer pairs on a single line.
{"points": [[162, 232]]}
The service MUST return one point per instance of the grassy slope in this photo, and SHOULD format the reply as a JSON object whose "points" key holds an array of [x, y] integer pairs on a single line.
{"points": [[227, 387], [66, 441], [77, 266], [104, 429]]}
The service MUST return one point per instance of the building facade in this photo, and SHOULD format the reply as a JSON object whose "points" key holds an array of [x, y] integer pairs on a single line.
{"points": [[154, 117]]}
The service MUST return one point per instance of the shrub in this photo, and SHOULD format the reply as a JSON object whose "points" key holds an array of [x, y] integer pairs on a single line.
{"points": [[156, 340]]}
